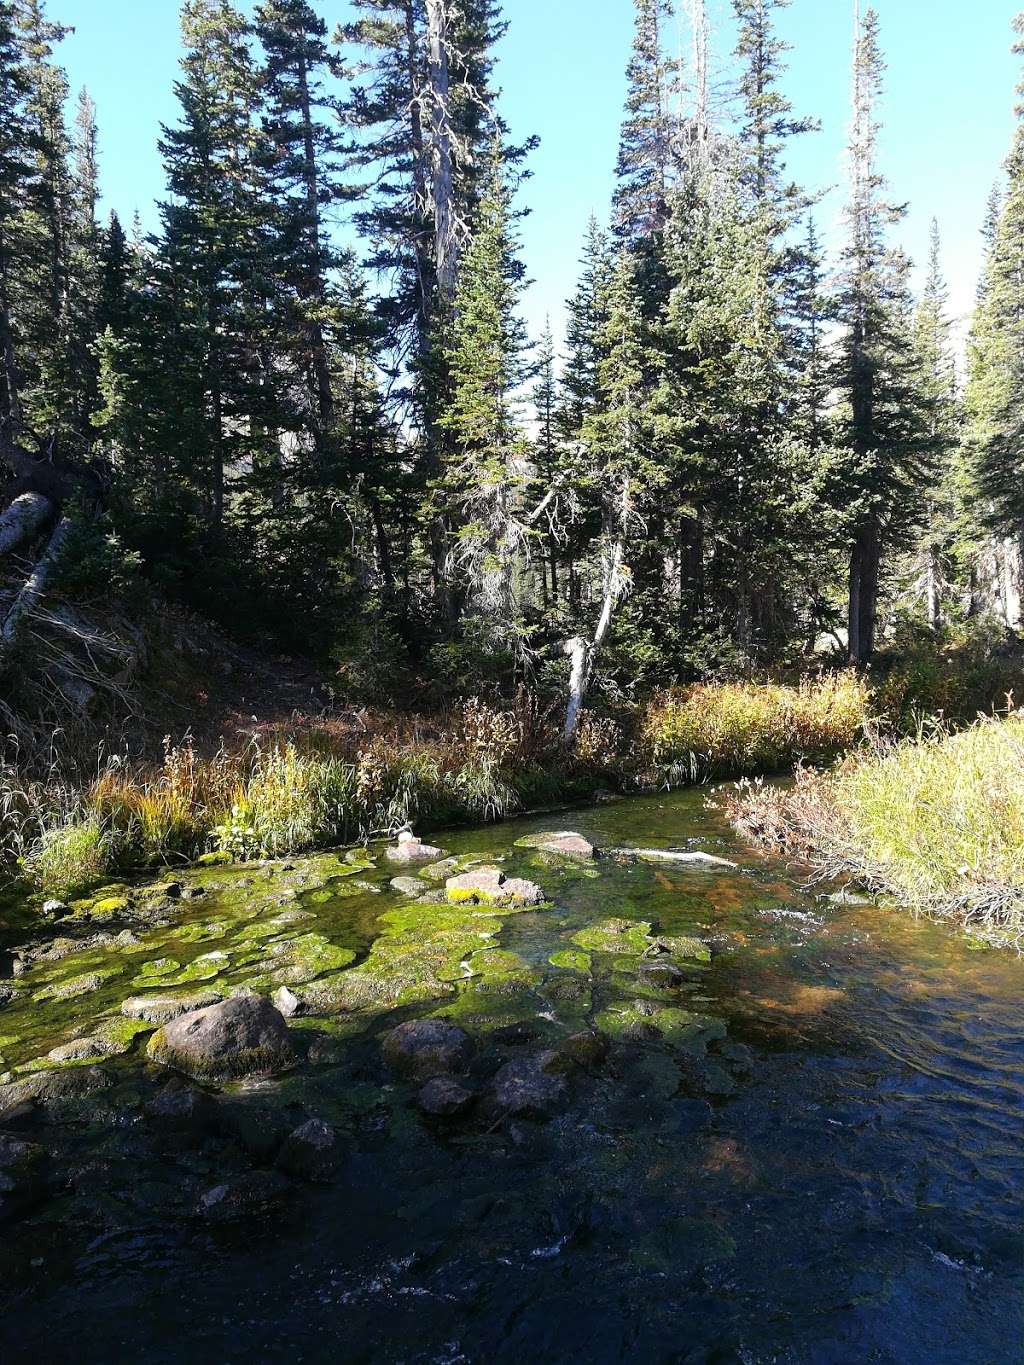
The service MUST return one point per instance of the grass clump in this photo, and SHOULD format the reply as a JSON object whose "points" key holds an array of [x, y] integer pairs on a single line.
{"points": [[69, 858], [937, 822], [740, 728]]}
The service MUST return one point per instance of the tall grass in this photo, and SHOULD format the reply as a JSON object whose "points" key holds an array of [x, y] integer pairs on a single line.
{"points": [[937, 821], [739, 728]]}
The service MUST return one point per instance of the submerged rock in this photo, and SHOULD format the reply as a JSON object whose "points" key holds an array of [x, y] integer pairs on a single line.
{"points": [[408, 886], [22, 1167], [488, 885], [588, 1048], [423, 1048], [54, 1086], [77, 985], [562, 844], [242, 1036], [442, 1097], [160, 1009], [181, 1107], [254, 1195], [661, 973], [531, 1087], [311, 1152]]}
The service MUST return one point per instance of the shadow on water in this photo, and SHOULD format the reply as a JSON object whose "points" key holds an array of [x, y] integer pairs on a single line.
{"points": [[807, 1150]]}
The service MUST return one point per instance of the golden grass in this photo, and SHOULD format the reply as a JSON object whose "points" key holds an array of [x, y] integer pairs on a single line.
{"points": [[937, 822]]}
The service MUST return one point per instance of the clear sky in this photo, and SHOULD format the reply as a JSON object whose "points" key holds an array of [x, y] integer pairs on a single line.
{"points": [[947, 113]]}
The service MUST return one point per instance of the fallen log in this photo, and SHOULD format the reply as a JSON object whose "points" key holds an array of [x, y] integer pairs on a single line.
{"points": [[35, 585], [20, 522]]}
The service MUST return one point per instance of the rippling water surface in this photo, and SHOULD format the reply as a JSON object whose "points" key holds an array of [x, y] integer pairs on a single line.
{"points": [[850, 1192]]}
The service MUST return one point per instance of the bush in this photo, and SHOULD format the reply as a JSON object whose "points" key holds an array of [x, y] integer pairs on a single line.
{"points": [[69, 858], [938, 822], [736, 728]]}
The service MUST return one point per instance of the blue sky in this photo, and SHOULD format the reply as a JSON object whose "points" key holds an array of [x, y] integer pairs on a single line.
{"points": [[947, 112]]}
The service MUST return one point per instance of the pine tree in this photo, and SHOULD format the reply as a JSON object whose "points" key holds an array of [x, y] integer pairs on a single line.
{"points": [[644, 167], [480, 487], [304, 143], [889, 452], [15, 173]]}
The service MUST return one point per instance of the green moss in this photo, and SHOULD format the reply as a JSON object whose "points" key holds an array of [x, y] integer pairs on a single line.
{"points": [[615, 936], [203, 968], [153, 973], [74, 986], [573, 959], [685, 946], [219, 858]]}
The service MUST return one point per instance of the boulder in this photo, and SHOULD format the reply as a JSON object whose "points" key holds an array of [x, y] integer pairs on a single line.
{"points": [[288, 1002], [52, 1087], [182, 1108], [160, 1009], [588, 1048], [409, 849], [488, 885], [311, 1152], [662, 974], [242, 1036], [561, 844], [408, 886], [22, 1182], [530, 1087], [442, 1097], [423, 1048]]}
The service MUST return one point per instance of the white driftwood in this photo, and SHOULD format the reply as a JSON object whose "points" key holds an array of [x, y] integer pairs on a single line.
{"points": [[22, 520], [671, 855], [35, 584]]}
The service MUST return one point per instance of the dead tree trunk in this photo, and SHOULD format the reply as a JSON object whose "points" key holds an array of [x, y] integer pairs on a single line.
{"points": [[445, 257], [21, 521], [34, 587]]}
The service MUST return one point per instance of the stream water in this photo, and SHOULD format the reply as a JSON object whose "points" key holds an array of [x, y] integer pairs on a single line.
{"points": [[815, 1156]]}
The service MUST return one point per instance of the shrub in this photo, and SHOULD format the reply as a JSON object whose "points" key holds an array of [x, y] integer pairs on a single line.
{"points": [[750, 727], [938, 822], [68, 858]]}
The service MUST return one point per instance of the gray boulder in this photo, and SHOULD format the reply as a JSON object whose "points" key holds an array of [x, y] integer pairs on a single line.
{"points": [[423, 1048], [408, 886], [561, 844], [530, 1087], [242, 1036], [311, 1152], [662, 974], [488, 885], [409, 849], [159, 1009], [442, 1097]]}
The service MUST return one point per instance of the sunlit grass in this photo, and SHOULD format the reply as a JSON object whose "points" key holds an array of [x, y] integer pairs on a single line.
{"points": [[937, 822]]}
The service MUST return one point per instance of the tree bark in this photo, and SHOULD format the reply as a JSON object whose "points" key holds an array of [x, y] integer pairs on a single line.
{"points": [[321, 367], [865, 558], [23, 519]]}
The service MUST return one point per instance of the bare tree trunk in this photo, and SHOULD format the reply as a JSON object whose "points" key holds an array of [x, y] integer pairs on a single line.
{"points": [[864, 565], [445, 245], [1010, 557], [321, 367], [23, 519], [933, 596], [583, 655], [34, 586]]}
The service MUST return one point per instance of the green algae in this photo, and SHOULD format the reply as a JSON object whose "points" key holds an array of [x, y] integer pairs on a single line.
{"points": [[218, 858], [572, 959], [74, 986], [685, 946], [615, 936], [154, 971]]}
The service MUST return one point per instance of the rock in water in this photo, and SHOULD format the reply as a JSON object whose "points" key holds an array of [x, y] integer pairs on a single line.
{"points": [[661, 974], [255, 1195], [422, 1048], [562, 844], [489, 886], [444, 1098], [311, 1152], [159, 1009], [408, 886], [239, 1037], [288, 1002], [409, 849], [530, 1086]]}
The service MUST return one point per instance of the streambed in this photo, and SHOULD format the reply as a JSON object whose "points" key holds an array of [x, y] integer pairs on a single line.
{"points": [[813, 1156]]}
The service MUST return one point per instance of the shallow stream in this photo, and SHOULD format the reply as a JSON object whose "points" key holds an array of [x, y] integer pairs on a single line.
{"points": [[815, 1156]]}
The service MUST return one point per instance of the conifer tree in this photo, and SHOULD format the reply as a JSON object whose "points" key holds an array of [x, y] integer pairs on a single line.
{"points": [[15, 173], [889, 451], [644, 167]]}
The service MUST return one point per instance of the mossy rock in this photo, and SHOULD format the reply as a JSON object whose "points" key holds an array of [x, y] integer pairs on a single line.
{"points": [[615, 936], [685, 946], [203, 968], [571, 959], [298, 960], [155, 972], [75, 986], [564, 845], [218, 858], [202, 933]]}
